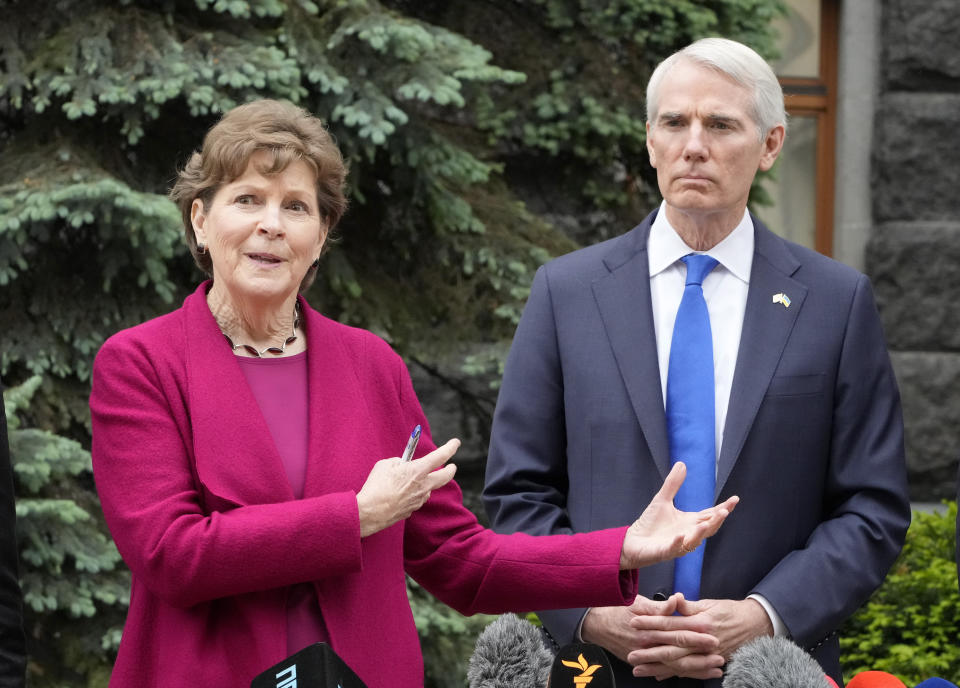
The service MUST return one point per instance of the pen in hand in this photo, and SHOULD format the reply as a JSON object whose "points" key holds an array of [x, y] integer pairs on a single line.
{"points": [[411, 444]]}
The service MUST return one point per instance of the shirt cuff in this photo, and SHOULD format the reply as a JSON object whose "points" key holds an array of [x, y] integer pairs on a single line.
{"points": [[577, 633], [779, 628]]}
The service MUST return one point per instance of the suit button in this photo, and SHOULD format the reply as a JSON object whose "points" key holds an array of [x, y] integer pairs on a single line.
{"points": [[659, 597]]}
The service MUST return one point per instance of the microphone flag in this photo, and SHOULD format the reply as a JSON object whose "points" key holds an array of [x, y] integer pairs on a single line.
{"points": [[581, 665], [315, 666], [875, 679]]}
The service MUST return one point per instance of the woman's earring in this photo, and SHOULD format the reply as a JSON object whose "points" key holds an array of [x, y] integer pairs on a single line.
{"points": [[201, 248], [315, 264]]}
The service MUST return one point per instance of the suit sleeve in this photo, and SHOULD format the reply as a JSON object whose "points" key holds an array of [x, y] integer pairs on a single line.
{"points": [[526, 477], [866, 506], [153, 507], [13, 654], [474, 570]]}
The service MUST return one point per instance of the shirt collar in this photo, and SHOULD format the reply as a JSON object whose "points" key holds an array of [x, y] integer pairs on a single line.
{"points": [[735, 252]]}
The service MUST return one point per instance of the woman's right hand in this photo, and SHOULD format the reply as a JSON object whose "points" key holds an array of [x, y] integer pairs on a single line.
{"points": [[395, 489]]}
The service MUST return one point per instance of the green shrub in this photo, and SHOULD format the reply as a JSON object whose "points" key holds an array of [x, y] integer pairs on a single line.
{"points": [[911, 625]]}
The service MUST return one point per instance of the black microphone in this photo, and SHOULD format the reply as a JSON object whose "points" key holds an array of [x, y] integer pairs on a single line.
{"points": [[581, 665], [509, 654], [315, 666], [773, 663]]}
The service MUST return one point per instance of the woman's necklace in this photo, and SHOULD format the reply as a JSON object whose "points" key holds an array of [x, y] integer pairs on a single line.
{"points": [[275, 350]]}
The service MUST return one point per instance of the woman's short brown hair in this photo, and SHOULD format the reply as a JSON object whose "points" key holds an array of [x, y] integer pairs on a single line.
{"points": [[285, 130]]}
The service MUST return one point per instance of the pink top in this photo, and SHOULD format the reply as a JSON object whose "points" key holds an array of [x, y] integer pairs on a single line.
{"points": [[280, 387]]}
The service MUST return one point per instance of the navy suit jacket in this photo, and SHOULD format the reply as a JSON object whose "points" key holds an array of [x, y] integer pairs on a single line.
{"points": [[813, 441]]}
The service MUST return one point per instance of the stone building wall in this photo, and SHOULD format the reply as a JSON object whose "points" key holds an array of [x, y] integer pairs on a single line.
{"points": [[913, 254]]}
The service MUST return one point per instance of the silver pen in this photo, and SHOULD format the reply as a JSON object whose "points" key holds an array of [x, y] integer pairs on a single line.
{"points": [[411, 444]]}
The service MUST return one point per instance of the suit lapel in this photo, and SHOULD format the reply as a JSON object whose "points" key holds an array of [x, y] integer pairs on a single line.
{"points": [[766, 329], [236, 458], [623, 298]]}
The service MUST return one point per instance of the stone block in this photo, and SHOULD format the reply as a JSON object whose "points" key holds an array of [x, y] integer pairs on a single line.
{"points": [[915, 269], [930, 390], [920, 45], [916, 172]]}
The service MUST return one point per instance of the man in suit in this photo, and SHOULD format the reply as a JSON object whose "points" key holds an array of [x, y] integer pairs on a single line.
{"points": [[802, 414]]}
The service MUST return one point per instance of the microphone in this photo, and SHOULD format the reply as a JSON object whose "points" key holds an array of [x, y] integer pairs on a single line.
{"points": [[315, 666], [875, 679], [581, 665], [509, 654], [773, 663]]}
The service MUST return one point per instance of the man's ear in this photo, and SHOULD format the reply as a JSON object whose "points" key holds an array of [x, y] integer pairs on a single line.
{"points": [[772, 145], [650, 151]]}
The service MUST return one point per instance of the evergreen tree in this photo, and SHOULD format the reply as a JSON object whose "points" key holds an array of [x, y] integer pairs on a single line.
{"points": [[75, 590], [483, 138]]}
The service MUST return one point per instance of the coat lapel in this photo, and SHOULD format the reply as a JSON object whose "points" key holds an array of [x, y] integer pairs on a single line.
{"points": [[766, 329], [235, 456], [623, 298], [342, 449]]}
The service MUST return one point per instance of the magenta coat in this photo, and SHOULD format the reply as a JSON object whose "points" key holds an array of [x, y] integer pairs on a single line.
{"points": [[196, 498]]}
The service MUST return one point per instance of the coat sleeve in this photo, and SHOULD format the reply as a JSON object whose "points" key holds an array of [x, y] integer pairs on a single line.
{"points": [[867, 510], [153, 507], [473, 569]]}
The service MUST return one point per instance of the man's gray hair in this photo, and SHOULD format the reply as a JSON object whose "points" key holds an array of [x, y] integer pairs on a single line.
{"points": [[737, 62]]}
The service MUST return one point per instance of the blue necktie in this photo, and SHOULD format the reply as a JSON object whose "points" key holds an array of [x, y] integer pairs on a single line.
{"points": [[690, 411]]}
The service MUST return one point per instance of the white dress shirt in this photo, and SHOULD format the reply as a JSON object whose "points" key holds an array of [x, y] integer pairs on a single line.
{"points": [[725, 291]]}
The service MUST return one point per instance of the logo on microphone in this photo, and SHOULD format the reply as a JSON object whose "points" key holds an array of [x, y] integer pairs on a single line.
{"points": [[288, 677], [587, 670]]}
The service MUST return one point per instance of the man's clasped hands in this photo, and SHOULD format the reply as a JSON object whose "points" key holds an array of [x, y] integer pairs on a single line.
{"points": [[676, 637]]}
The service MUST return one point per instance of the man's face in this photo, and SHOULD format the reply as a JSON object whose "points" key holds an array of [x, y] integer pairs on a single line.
{"points": [[704, 145]]}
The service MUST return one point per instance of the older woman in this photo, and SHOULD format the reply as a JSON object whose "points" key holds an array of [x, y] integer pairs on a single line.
{"points": [[236, 444]]}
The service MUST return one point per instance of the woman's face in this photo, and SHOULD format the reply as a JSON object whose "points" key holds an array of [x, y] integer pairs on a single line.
{"points": [[262, 233]]}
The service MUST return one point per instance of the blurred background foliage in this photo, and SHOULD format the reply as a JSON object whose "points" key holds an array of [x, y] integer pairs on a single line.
{"points": [[483, 136], [910, 626]]}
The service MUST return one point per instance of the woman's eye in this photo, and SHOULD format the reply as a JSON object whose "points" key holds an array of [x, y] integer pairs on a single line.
{"points": [[298, 207], [244, 199]]}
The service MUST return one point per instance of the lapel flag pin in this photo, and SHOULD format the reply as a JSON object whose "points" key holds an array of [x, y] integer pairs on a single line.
{"points": [[782, 298]]}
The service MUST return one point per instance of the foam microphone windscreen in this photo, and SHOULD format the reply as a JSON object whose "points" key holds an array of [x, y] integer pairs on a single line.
{"points": [[315, 666], [773, 663], [875, 679], [936, 683], [509, 654], [578, 665]]}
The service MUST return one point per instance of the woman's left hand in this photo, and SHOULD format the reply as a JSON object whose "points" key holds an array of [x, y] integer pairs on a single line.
{"points": [[664, 532]]}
